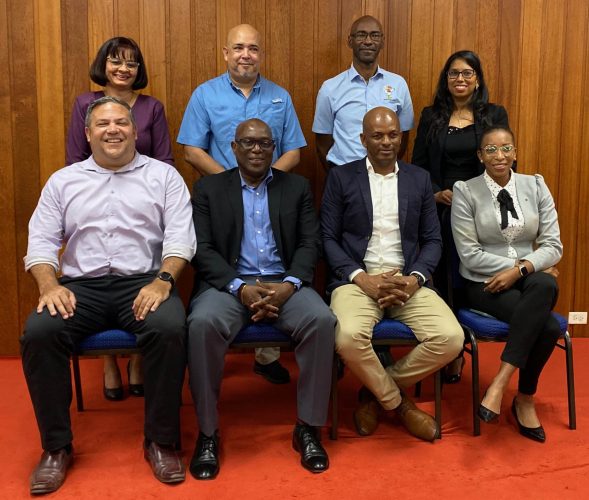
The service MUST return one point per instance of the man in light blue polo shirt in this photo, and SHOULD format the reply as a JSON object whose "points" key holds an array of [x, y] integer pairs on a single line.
{"points": [[211, 118], [344, 99], [219, 105]]}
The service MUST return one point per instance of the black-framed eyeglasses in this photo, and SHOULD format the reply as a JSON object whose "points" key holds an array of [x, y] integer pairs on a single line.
{"points": [[117, 63], [248, 144], [492, 150], [467, 74], [360, 36]]}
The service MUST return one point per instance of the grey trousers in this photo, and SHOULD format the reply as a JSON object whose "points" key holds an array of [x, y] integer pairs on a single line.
{"points": [[215, 319]]}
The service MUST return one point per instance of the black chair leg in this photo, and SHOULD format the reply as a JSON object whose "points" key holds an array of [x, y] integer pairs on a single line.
{"points": [[476, 394], [568, 348], [438, 400], [334, 407], [77, 383]]}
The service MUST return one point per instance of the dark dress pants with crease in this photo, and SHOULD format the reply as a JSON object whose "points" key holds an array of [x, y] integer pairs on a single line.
{"points": [[215, 319], [104, 303]]}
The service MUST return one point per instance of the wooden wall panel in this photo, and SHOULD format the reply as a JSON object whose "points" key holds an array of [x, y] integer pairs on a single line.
{"points": [[9, 306], [25, 137], [47, 21], [535, 54]]}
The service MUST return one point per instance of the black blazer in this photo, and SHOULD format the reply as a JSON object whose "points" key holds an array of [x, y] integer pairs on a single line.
{"points": [[429, 156], [346, 220], [217, 206]]}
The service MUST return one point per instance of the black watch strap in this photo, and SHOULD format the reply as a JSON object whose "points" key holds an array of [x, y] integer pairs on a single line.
{"points": [[164, 276], [419, 278]]}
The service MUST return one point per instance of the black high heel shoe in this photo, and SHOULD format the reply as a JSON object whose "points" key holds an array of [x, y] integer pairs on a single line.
{"points": [[533, 433], [115, 394], [486, 415], [134, 389], [449, 376]]}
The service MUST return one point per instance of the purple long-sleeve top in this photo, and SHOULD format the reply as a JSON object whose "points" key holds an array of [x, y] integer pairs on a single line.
{"points": [[153, 137]]}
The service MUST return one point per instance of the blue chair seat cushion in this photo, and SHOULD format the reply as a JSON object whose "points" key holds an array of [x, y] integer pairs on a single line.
{"points": [[260, 332], [487, 327], [391, 329], [108, 339]]}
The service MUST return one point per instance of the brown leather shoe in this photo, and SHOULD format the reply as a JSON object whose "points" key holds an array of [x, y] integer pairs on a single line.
{"points": [[367, 413], [417, 422], [165, 463], [49, 474]]}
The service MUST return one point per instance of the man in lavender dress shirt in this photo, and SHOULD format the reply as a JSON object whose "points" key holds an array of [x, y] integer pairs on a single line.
{"points": [[126, 221]]}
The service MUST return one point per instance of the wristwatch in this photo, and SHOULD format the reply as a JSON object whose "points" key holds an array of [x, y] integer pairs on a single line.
{"points": [[164, 276], [523, 270], [419, 278]]}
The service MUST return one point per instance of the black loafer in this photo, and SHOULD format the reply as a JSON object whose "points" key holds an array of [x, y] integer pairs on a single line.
{"points": [[205, 461], [273, 372], [305, 440], [533, 433]]}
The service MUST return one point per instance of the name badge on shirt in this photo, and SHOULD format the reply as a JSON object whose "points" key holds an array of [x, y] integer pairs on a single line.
{"points": [[278, 100], [388, 93]]}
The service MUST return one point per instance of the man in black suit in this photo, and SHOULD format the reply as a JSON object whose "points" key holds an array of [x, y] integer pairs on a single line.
{"points": [[258, 244], [382, 241]]}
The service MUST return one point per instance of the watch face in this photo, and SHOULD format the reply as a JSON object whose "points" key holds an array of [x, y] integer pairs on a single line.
{"points": [[523, 270], [166, 277]]}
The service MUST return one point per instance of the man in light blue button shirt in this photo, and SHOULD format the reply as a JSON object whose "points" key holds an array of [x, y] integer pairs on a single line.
{"points": [[219, 105], [343, 100], [258, 245], [212, 115]]}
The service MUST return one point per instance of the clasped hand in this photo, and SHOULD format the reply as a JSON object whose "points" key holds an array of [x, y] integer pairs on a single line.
{"points": [[264, 299], [388, 289]]}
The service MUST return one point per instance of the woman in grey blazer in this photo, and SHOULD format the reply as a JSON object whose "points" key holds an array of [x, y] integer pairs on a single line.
{"points": [[505, 227]]}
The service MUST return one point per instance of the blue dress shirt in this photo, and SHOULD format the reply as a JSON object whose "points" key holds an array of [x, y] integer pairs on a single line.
{"points": [[343, 101], [259, 254], [217, 107]]}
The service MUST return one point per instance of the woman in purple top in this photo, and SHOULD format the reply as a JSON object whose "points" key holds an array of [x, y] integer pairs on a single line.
{"points": [[119, 68]]}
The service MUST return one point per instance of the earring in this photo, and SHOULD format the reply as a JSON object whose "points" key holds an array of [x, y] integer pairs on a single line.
{"points": [[476, 87]]}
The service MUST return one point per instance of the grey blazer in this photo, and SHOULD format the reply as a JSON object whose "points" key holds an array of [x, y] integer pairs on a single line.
{"points": [[480, 244]]}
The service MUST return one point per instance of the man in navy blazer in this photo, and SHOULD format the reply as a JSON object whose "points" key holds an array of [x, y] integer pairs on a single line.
{"points": [[382, 242]]}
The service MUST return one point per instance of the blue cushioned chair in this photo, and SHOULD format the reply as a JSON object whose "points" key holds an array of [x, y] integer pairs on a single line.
{"points": [[485, 328], [392, 333], [113, 342]]}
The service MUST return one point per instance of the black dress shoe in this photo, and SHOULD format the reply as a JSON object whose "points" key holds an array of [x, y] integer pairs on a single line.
{"points": [[134, 389], [534, 433], [50, 473], [273, 372], [115, 394], [305, 440], [205, 461]]}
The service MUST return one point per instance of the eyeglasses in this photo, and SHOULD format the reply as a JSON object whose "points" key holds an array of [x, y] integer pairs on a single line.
{"points": [[467, 74], [492, 150], [117, 63], [249, 144], [360, 36]]}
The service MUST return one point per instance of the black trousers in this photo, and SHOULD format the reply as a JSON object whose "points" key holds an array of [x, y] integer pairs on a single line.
{"points": [[533, 331], [104, 303]]}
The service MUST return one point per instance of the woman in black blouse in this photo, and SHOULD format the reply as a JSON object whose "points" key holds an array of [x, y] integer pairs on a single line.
{"points": [[447, 141]]}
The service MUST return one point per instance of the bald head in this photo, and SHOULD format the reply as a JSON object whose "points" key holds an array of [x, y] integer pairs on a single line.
{"points": [[255, 124], [364, 20], [381, 136], [243, 30], [243, 54]]}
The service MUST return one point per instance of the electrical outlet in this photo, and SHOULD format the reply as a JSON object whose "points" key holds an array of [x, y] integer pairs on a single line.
{"points": [[578, 318]]}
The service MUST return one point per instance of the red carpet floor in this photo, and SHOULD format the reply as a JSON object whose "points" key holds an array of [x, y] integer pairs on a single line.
{"points": [[258, 461]]}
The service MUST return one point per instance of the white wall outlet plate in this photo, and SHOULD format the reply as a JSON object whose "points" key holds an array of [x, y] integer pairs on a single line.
{"points": [[578, 318]]}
